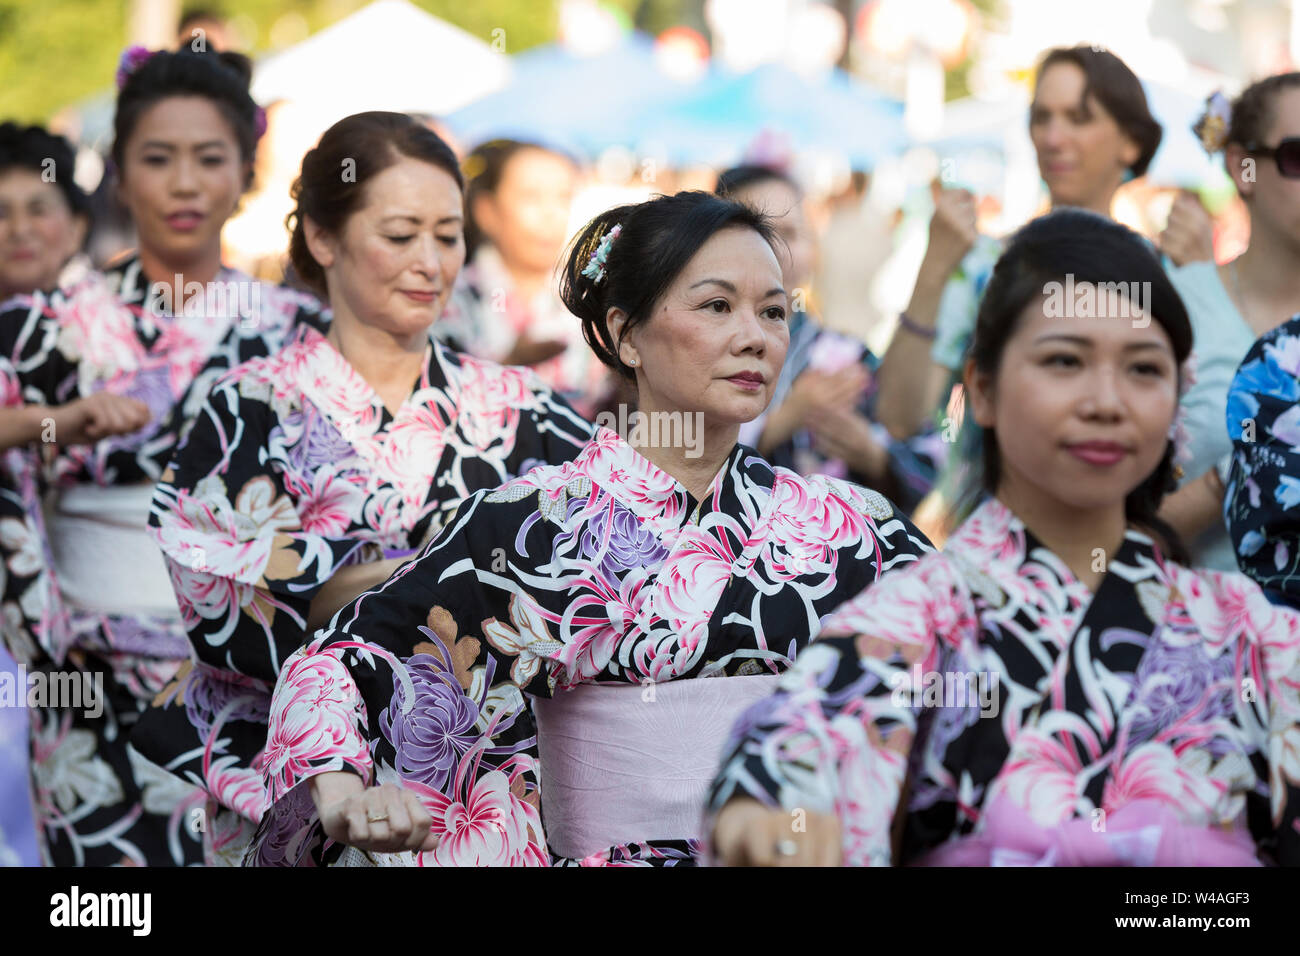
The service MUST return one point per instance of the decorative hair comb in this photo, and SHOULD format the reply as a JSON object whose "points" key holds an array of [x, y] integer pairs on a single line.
{"points": [[1212, 127], [595, 270]]}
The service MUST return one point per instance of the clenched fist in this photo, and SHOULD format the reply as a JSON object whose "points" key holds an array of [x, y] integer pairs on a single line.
{"points": [[746, 833], [385, 819], [953, 228], [97, 416], [1189, 234]]}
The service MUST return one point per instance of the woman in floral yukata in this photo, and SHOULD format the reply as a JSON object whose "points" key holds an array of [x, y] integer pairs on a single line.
{"points": [[309, 475], [43, 224], [552, 679], [1055, 687], [105, 373]]}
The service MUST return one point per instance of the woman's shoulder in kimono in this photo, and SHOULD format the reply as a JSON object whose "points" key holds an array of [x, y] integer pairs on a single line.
{"points": [[862, 499], [277, 370], [483, 387], [85, 319], [277, 310], [1228, 605], [793, 492]]}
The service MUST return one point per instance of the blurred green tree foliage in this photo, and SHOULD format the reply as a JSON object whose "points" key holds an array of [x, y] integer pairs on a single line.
{"points": [[54, 53]]}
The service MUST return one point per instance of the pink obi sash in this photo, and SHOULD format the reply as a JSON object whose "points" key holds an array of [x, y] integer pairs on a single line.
{"points": [[622, 763], [1141, 833]]}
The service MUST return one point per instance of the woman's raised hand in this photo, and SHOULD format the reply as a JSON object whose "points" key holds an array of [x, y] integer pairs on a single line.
{"points": [[1189, 235], [953, 229]]}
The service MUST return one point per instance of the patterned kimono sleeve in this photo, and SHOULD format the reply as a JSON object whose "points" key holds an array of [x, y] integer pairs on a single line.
{"points": [[1262, 499], [244, 566], [838, 734], [25, 583], [32, 372], [421, 682], [1276, 632], [553, 435], [959, 303]]}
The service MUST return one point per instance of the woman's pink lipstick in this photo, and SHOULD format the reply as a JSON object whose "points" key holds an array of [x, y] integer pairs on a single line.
{"points": [[1101, 453], [184, 221], [749, 381]]}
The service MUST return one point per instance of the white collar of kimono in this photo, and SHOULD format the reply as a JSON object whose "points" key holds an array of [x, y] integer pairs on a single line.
{"points": [[646, 489]]}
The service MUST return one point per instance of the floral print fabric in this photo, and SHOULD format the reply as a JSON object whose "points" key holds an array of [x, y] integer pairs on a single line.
{"points": [[97, 803], [604, 569], [294, 469], [1262, 499], [1168, 685]]}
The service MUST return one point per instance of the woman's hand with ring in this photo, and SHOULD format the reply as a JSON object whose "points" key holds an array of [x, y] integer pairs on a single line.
{"points": [[746, 833], [384, 819]]}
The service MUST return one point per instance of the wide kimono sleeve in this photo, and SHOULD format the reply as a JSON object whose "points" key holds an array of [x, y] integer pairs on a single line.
{"points": [[1269, 677], [913, 463], [551, 432], [1262, 499], [838, 734], [244, 565], [33, 371], [421, 682]]}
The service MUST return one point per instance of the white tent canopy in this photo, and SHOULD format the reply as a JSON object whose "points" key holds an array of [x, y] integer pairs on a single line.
{"points": [[389, 55]]}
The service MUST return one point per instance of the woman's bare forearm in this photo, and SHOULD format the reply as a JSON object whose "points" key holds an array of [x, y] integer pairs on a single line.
{"points": [[908, 381], [22, 425]]}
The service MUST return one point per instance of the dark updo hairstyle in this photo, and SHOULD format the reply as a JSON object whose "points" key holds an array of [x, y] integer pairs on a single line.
{"points": [[1253, 114], [484, 169], [36, 149], [1116, 88], [1254, 111], [363, 144], [658, 238], [1093, 249], [739, 178], [221, 77]]}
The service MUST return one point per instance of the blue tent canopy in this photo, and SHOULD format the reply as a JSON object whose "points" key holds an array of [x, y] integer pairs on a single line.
{"points": [[625, 98], [565, 100], [716, 121]]}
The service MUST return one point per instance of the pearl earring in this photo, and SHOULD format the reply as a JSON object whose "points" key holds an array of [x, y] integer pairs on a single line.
{"points": [[631, 361]]}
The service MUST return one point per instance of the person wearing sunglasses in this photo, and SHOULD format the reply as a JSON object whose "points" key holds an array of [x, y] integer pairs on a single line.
{"points": [[1235, 303]]}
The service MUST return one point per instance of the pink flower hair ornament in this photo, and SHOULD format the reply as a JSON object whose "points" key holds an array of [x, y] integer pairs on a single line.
{"points": [[133, 57]]}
